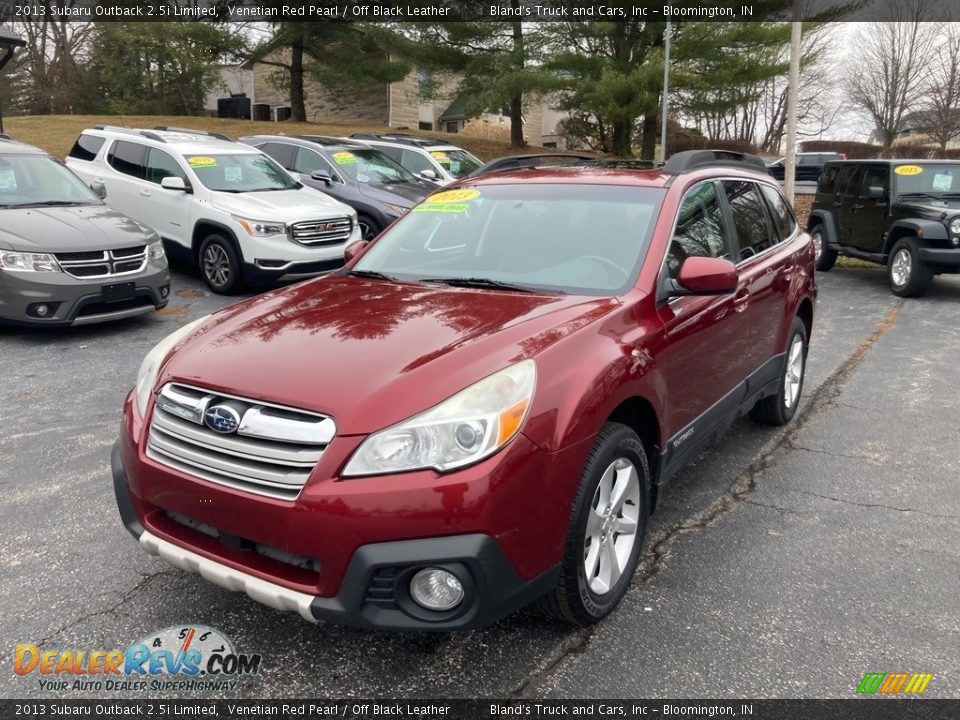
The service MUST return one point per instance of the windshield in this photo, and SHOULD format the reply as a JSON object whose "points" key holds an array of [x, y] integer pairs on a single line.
{"points": [[371, 166], [240, 172], [932, 179], [459, 163], [575, 239], [40, 180]]}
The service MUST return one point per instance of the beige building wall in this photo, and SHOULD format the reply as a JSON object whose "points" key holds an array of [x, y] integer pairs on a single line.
{"points": [[408, 110], [362, 105]]}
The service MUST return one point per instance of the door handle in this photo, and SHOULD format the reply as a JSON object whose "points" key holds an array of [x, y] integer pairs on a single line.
{"points": [[144, 193], [741, 300]]}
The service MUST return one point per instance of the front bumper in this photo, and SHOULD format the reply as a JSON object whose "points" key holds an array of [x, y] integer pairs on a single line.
{"points": [[944, 257], [504, 560], [78, 301]]}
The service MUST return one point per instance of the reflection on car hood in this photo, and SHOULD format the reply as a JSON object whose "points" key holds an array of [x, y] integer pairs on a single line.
{"points": [[411, 346], [281, 205], [402, 194], [71, 228]]}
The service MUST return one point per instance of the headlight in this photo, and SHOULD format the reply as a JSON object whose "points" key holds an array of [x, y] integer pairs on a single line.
{"points": [[147, 374], [396, 209], [955, 226], [467, 427], [155, 251], [261, 228], [28, 262]]}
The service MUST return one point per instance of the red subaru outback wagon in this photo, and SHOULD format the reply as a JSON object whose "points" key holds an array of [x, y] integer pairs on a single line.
{"points": [[480, 409]]}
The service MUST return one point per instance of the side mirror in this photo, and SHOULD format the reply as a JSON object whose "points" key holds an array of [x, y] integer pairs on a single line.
{"points": [[99, 189], [875, 192], [354, 249], [429, 175], [707, 276], [321, 176], [173, 182]]}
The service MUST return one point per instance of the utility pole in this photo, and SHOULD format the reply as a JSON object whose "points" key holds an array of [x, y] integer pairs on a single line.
{"points": [[790, 158], [9, 45], [666, 89]]}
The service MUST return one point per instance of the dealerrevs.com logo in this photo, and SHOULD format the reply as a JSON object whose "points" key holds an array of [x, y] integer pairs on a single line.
{"points": [[183, 658]]}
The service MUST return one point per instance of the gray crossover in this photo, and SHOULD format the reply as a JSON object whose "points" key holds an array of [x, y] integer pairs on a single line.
{"points": [[66, 258]]}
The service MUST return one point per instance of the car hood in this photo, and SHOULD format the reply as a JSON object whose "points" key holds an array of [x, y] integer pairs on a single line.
{"points": [[402, 194], [371, 353], [67, 229], [281, 205], [931, 210]]}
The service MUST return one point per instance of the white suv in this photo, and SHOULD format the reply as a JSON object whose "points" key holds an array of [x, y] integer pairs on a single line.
{"points": [[428, 158], [219, 204]]}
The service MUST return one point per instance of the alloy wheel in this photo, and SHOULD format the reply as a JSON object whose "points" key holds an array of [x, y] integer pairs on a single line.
{"points": [[794, 375], [901, 268], [817, 246], [216, 265], [611, 526]]}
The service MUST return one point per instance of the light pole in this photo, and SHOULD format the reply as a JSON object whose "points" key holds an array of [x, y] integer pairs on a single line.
{"points": [[9, 45], [790, 162], [666, 89]]}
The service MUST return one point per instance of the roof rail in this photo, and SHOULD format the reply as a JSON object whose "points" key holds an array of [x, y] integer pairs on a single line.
{"points": [[516, 162], [130, 131], [191, 131], [4, 136], [329, 140], [693, 159], [400, 139]]}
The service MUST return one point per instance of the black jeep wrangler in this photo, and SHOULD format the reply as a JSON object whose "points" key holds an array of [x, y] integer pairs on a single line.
{"points": [[904, 214]]}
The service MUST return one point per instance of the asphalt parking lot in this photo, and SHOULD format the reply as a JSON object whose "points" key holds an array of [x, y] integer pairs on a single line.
{"points": [[782, 563]]}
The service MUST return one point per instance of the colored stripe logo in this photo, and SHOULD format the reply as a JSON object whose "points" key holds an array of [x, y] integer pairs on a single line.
{"points": [[894, 683]]}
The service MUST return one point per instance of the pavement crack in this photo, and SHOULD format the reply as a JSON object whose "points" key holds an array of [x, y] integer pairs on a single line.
{"points": [[835, 454], [778, 508], [879, 505], [655, 560], [576, 643], [125, 598]]}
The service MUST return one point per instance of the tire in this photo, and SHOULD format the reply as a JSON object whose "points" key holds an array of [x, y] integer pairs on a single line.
{"points": [[907, 274], [369, 228], [220, 266], [578, 599], [779, 409], [824, 257]]}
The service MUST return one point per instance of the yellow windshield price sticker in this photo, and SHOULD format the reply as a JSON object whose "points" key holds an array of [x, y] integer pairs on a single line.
{"points": [[908, 170], [441, 157], [344, 158], [200, 161], [454, 196], [440, 207]]}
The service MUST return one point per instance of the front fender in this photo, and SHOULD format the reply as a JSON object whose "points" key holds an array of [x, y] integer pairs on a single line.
{"points": [[922, 229]]}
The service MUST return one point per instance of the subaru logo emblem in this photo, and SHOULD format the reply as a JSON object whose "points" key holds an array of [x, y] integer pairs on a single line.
{"points": [[222, 419]]}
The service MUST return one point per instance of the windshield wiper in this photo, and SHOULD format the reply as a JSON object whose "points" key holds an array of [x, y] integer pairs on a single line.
{"points": [[476, 282], [46, 203], [919, 194], [372, 274]]}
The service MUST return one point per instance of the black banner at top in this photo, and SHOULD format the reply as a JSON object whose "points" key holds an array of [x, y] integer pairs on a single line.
{"points": [[467, 10]]}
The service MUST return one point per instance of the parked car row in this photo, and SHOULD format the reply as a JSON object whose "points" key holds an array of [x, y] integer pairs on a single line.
{"points": [[266, 210]]}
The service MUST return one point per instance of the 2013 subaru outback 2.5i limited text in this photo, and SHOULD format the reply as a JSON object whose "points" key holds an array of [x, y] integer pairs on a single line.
{"points": [[479, 411]]}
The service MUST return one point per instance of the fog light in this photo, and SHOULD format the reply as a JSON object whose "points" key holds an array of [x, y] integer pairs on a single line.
{"points": [[956, 240], [41, 310], [164, 291], [436, 589]]}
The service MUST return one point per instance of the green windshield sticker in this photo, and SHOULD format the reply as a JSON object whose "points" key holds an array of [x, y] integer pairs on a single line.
{"points": [[440, 207], [344, 158], [943, 181], [200, 161]]}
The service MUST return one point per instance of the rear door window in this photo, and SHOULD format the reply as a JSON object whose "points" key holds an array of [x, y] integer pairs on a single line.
{"points": [[281, 152], [86, 147], [750, 218], [828, 179], [127, 158]]}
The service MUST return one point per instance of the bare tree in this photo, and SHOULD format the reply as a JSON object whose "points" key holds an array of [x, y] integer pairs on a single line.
{"points": [[888, 64], [940, 115]]}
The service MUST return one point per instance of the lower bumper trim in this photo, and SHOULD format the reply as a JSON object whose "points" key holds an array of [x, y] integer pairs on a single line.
{"points": [[264, 592]]}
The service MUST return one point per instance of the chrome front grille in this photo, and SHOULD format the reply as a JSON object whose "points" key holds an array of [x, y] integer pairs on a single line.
{"points": [[322, 232], [261, 448], [103, 263]]}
